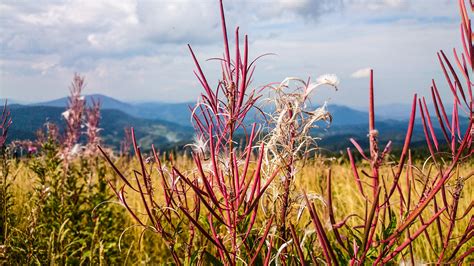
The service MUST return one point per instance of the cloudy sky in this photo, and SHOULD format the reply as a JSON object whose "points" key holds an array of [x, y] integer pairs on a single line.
{"points": [[136, 50]]}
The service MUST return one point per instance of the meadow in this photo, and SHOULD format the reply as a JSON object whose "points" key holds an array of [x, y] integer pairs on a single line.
{"points": [[31, 246], [246, 193]]}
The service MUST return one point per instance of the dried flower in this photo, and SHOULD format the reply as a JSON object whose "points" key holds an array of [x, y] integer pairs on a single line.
{"points": [[289, 140], [199, 145], [328, 79]]}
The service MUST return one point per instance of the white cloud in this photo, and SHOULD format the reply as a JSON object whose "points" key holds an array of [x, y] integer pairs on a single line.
{"points": [[376, 5], [137, 49], [361, 73], [43, 66]]}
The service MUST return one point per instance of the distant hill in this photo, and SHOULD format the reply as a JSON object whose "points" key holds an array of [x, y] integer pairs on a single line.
{"points": [[343, 115], [28, 119], [164, 134], [9, 101], [179, 112], [393, 111], [173, 112], [168, 124], [106, 101]]}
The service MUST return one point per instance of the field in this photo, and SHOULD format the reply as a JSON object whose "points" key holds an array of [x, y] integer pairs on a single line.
{"points": [[246, 193], [31, 243]]}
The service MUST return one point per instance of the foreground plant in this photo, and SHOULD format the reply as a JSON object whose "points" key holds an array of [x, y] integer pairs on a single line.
{"points": [[67, 221], [385, 236], [290, 140], [6, 202], [210, 213], [218, 200]]}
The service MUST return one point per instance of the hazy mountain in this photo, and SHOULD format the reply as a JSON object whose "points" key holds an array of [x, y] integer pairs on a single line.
{"points": [[106, 102], [394, 111], [179, 112], [174, 112], [165, 124], [343, 115], [28, 119], [9, 101]]}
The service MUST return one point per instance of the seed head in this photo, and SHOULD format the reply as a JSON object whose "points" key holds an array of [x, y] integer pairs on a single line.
{"points": [[328, 79]]}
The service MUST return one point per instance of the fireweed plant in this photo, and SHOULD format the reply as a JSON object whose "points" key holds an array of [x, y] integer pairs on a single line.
{"points": [[78, 116], [217, 202], [211, 212], [73, 117], [383, 235], [66, 221], [289, 140], [126, 143]]}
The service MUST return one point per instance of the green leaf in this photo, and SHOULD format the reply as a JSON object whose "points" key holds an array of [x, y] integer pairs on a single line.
{"points": [[391, 226]]}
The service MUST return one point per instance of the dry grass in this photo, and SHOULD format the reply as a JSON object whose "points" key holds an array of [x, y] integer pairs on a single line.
{"points": [[311, 178], [347, 200]]}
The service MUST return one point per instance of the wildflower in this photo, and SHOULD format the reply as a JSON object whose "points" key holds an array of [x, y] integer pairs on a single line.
{"points": [[74, 116]]}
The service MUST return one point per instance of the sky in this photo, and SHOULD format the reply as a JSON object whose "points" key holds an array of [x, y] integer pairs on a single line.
{"points": [[137, 50]]}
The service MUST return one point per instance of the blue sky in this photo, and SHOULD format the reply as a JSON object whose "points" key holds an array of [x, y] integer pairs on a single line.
{"points": [[136, 50]]}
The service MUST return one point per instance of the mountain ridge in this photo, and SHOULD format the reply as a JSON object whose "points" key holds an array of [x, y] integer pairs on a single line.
{"points": [[168, 124], [179, 112], [149, 131]]}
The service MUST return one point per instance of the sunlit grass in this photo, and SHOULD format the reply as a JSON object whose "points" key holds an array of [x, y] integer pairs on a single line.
{"points": [[311, 177]]}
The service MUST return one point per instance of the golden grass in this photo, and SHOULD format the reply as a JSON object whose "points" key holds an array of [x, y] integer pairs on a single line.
{"points": [[347, 200], [311, 178]]}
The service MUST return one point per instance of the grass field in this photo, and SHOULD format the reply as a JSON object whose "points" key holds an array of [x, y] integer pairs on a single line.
{"points": [[149, 249]]}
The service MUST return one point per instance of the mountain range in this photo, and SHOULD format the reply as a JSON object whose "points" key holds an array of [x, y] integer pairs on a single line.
{"points": [[173, 112], [168, 125], [180, 112]]}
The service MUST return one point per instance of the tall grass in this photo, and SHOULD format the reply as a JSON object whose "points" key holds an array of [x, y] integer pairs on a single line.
{"points": [[346, 200], [5, 182]]}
